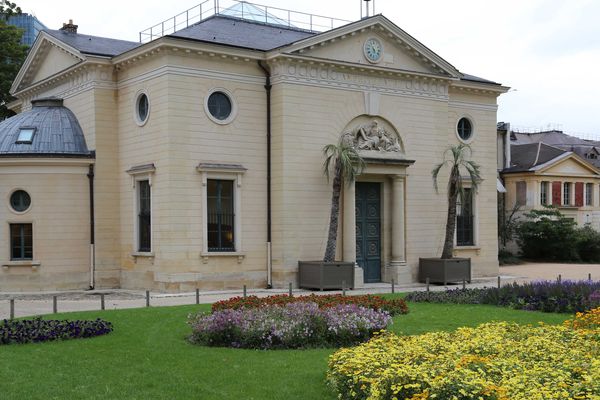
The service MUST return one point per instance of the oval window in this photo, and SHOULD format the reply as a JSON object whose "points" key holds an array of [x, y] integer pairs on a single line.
{"points": [[20, 201], [219, 105], [464, 129], [142, 108]]}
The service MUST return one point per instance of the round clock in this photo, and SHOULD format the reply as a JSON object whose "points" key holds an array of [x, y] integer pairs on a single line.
{"points": [[373, 50]]}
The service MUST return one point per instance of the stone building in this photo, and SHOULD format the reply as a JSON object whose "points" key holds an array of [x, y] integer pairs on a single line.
{"points": [[194, 160]]}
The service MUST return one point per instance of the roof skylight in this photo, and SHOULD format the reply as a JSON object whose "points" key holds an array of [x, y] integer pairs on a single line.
{"points": [[25, 136]]}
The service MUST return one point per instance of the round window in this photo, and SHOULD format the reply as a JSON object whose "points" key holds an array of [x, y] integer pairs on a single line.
{"points": [[219, 105], [142, 108], [465, 129], [20, 201]]}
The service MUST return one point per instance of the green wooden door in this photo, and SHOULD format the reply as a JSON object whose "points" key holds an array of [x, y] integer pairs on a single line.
{"points": [[368, 229]]}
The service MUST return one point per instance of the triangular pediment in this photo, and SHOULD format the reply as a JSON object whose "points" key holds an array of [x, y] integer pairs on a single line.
{"points": [[569, 165], [399, 50], [48, 56]]}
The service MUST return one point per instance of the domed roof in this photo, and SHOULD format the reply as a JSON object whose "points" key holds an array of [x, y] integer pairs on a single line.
{"points": [[48, 129]]}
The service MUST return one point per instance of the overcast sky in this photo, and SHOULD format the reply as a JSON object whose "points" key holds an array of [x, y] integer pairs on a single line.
{"points": [[548, 51]]}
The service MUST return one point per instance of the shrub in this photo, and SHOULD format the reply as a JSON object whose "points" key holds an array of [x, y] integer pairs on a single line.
{"points": [[547, 296], [588, 244], [293, 325], [393, 306], [39, 330], [548, 235], [493, 361]]}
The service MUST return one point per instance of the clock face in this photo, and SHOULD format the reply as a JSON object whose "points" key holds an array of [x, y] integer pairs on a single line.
{"points": [[373, 50]]}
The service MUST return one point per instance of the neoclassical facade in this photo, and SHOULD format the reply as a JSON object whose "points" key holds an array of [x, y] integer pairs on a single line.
{"points": [[204, 157]]}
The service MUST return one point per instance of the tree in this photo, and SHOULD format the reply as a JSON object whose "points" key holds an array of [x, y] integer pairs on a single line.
{"points": [[457, 162], [347, 164], [12, 54]]}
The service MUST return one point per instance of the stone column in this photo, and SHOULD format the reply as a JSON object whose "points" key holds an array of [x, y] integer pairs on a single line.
{"points": [[349, 232], [398, 268]]}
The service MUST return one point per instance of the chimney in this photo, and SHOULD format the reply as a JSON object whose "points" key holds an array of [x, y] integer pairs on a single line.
{"points": [[69, 27]]}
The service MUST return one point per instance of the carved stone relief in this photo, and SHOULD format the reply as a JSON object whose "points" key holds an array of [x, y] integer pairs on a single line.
{"points": [[372, 137]]}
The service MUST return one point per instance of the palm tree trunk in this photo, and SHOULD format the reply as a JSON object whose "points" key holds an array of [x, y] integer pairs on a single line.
{"points": [[335, 214], [450, 224]]}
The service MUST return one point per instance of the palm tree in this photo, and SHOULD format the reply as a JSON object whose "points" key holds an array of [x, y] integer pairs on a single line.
{"points": [[347, 164], [457, 162]]}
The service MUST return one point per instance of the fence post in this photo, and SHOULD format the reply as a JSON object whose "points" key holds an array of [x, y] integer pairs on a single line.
{"points": [[197, 296], [147, 298], [245, 292], [102, 301], [291, 294], [464, 284], [54, 304], [393, 288], [343, 288], [12, 308], [498, 281], [427, 283], [590, 277], [559, 278]]}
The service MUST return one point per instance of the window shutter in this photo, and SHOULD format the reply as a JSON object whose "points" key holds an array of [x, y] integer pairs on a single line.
{"points": [[556, 186], [521, 193], [579, 194]]}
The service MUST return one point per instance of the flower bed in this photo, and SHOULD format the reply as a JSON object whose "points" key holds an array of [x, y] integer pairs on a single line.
{"points": [[547, 296], [493, 361], [393, 306], [293, 325], [39, 330]]}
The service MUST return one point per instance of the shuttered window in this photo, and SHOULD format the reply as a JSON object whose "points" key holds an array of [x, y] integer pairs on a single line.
{"points": [[521, 193], [566, 194], [544, 193], [589, 194], [556, 189], [579, 194]]}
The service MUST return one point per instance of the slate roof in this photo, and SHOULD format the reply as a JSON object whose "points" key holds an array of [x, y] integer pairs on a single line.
{"points": [[237, 32], [57, 132], [581, 147], [93, 45], [526, 157]]}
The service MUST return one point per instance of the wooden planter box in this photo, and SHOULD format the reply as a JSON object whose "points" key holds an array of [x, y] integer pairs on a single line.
{"points": [[445, 270], [323, 275]]}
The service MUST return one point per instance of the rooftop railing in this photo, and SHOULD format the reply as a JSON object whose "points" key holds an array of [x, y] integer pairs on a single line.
{"points": [[244, 10]]}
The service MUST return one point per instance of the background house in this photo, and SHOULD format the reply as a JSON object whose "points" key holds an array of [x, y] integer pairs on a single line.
{"points": [[206, 151], [539, 174]]}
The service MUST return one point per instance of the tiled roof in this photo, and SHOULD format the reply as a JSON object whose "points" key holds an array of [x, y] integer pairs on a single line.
{"points": [[525, 157], [57, 132]]}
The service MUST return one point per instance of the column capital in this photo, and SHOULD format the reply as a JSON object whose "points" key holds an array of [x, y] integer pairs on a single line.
{"points": [[397, 177]]}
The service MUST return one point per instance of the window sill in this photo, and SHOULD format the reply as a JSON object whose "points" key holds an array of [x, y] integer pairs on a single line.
{"points": [[205, 255], [34, 265], [142, 254], [475, 248]]}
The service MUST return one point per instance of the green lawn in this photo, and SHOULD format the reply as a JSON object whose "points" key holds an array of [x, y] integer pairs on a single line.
{"points": [[147, 357]]}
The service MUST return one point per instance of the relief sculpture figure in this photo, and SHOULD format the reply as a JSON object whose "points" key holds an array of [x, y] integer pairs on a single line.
{"points": [[373, 137]]}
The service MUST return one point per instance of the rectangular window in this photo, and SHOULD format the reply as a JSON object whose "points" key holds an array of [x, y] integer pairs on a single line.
{"points": [[521, 193], [464, 220], [589, 197], [21, 242], [144, 217], [566, 193], [220, 215], [25, 135], [544, 193]]}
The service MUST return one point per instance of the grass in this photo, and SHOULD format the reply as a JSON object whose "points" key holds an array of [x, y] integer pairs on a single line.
{"points": [[147, 357]]}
